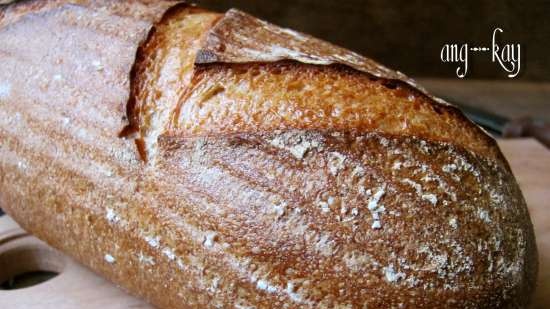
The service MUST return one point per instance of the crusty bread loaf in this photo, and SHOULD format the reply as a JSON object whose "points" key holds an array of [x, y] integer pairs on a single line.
{"points": [[272, 169]]}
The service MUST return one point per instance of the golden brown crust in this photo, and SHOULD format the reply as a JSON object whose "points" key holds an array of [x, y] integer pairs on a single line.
{"points": [[164, 64], [252, 97], [253, 76], [242, 38], [63, 90], [346, 218], [330, 214]]}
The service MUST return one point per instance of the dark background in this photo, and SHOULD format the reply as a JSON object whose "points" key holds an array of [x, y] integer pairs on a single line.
{"points": [[408, 35]]}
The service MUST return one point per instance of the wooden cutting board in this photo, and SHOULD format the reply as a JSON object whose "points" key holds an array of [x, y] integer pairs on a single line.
{"points": [[78, 287]]}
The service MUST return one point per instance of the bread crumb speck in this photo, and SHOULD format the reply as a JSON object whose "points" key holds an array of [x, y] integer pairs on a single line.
{"points": [[153, 241], [336, 162], [324, 206], [373, 202], [449, 168], [146, 259], [5, 90], [169, 253], [109, 259], [112, 216], [391, 275], [453, 222], [210, 239], [396, 165], [430, 198], [97, 65], [484, 215]]}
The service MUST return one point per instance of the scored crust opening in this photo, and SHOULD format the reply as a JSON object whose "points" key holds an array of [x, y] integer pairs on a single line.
{"points": [[163, 68], [185, 83]]}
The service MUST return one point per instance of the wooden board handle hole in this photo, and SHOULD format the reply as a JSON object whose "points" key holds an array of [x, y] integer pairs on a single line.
{"points": [[26, 262]]}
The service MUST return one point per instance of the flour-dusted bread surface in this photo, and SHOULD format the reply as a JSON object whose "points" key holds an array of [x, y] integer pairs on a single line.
{"points": [[261, 168]]}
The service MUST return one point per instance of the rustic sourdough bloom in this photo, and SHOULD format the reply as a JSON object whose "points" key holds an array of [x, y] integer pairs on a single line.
{"points": [[272, 169]]}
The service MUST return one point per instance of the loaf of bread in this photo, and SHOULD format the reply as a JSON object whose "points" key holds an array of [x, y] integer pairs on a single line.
{"points": [[206, 160]]}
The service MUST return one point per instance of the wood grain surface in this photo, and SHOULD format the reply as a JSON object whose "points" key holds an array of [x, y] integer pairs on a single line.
{"points": [[74, 287], [77, 287], [530, 162]]}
